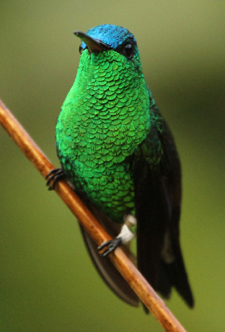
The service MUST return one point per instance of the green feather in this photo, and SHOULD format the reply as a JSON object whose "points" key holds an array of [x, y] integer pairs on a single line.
{"points": [[103, 121]]}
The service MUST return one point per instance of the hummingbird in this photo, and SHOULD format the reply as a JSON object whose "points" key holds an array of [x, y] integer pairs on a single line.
{"points": [[118, 154]]}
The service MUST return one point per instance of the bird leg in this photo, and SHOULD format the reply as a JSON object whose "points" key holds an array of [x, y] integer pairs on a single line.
{"points": [[126, 234], [54, 175]]}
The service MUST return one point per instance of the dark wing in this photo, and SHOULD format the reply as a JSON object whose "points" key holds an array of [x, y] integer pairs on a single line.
{"points": [[157, 185]]}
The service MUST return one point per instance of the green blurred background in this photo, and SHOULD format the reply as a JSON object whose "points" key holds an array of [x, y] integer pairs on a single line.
{"points": [[47, 282]]}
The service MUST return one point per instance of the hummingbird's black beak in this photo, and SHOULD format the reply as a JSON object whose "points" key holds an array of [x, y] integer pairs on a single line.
{"points": [[92, 44]]}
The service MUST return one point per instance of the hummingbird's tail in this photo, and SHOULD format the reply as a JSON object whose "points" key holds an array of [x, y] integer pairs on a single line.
{"points": [[106, 269], [174, 275], [109, 273]]}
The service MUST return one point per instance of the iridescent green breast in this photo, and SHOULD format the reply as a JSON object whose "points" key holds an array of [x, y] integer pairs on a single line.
{"points": [[103, 120]]}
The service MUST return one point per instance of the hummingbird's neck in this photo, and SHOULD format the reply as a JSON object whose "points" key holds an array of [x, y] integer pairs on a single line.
{"points": [[105, 88], [109, 103]]}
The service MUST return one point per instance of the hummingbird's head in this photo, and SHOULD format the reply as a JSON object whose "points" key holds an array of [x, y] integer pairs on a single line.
{"points": [[108, 37], [109, 94], [110, 76]]}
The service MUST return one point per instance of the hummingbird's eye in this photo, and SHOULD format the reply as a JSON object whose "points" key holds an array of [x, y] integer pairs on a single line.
{"points": [[80, 49], [128, 51]]}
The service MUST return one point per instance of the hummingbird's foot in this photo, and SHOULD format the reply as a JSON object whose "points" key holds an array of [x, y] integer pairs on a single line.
{"points": [[109, 246], [126, 234], [54, 175]]}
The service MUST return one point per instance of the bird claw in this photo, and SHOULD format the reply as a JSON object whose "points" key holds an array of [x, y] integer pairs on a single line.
{"points": [[54, 175], [109, 246]]}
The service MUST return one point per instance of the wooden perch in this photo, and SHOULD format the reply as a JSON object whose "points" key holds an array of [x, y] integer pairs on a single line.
{"points": [[130, 273]]}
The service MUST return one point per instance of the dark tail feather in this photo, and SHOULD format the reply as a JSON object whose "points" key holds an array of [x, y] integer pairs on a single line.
{"points": [[109, 273], [174, 274]]}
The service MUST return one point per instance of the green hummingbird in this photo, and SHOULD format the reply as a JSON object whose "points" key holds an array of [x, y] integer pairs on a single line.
{"points": [[118, 154]]}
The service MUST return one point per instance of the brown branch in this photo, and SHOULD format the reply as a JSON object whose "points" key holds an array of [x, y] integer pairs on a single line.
{"points": [[130, 273]]}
